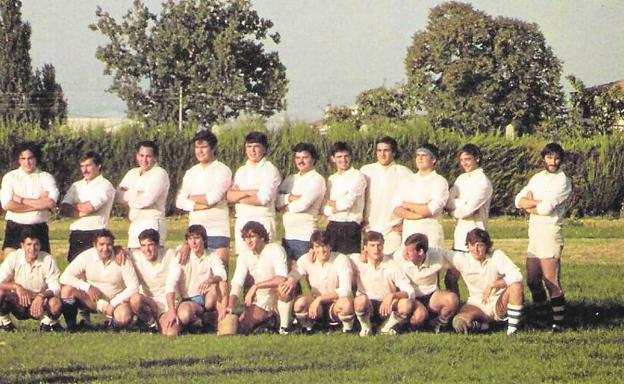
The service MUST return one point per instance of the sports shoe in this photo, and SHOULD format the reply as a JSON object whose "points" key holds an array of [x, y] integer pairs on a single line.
{"points": [[556, 328], [462, 326], [391, 332], [511, 331], [8, 327], [365, 332], [284, 331], [56, 327]]}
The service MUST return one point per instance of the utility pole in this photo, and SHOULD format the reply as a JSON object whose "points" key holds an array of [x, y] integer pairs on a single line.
{"points": [[180, 112]]}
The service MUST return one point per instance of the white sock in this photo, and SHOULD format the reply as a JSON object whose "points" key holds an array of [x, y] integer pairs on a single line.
{"points": [[347, 322], [284, 309], [5, 319], [364, 319], [304, 320], [392, 320], [47, 320]]}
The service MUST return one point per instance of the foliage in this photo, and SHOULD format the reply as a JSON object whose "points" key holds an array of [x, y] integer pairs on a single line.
{"points": [[595, 110], [211, 50], [25, 96], [381, 101], [473, 73]]}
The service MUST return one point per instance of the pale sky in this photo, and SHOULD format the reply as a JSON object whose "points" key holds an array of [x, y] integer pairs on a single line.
{"points": [[332, 49]]}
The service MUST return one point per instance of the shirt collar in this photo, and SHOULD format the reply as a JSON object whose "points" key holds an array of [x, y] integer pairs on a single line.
{"points": [[258, 164]]}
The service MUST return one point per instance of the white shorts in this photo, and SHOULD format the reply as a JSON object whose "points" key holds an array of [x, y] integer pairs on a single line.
{"points": [[266, 299], [392, 242], [489, 308], [267, 222], [545, 241], [138, 226], [431, 228]]}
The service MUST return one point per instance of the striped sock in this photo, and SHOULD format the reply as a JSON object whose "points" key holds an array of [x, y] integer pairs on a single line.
{"points": [[558, 310], [514, 315]]}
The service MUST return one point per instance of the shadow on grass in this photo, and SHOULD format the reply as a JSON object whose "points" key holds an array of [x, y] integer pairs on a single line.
{"points": [[580, 316]]}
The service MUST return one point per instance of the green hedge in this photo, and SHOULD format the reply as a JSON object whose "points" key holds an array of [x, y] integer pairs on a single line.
{"points": [[596, 165]]}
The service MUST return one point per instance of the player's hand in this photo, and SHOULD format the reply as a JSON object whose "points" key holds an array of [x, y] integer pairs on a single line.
{"points": [[171, 318], [120, 255], [486, 294], [249, 297], [184, 253], [94, 293], [287, 287], [203, 287], [385, 309], [110, 311], [36, 307], [22, 296], [313, 310]]}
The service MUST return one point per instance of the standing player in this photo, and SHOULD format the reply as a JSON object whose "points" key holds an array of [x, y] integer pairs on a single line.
{"points": [[383, 179], [27, 194], [383, 290], [265, 264], [29, 285], [301, 197], [203, 191], [345, 205], [544, 199], [421, 198], [470, 196], [144, 190], [254, 189], [422, 266], [89, 201], [494, 286], [329, 275]]}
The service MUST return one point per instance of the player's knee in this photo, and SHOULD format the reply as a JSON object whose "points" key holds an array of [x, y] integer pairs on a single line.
{"points": [[300, 305], [405, 307], [360, 303], [123, 316], [419, 316], [55, 306], [136, 302], [185, 314], [67, 291], [345, 307]]}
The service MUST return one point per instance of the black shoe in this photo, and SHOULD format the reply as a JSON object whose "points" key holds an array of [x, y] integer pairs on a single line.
{"points": [[8, 327], [56, 327]]}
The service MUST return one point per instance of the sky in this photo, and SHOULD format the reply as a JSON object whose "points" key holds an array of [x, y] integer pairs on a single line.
{"points": [[332, 49]]}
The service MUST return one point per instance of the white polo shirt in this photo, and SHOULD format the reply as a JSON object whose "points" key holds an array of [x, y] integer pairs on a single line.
{"points": [[552, 190], [335, 275], [186, 279], [213, 181], [424, 278], [153, 275], [264, 178], [270, 263], [301, 218], [39, 277], [100, 193], [29, 186], [377, 282], [347, 189]]}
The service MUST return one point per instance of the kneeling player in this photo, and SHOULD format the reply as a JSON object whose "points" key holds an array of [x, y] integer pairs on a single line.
{"points": [[494, 285], [201, 283], [422, 266], [329, 276], [29, 285], [265, 263], [383, 290], [96, 282]]}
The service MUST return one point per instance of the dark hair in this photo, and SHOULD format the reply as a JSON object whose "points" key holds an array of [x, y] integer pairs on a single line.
{"points": [[479, 235], [97, 159], [320, 238], [28, 233], [306, 147], [103, 233], [553, 149], [391, 142], [150, 234], [257, 137], [207, 136], [373, 236], [339, 146], [147, 144], [433, 149], [255, 228], [27, 146], [420, 240], [197, 230], [471, 150]]}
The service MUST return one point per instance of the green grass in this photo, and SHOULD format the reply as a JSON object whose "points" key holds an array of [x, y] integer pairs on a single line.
{"points": [[591, 351]]}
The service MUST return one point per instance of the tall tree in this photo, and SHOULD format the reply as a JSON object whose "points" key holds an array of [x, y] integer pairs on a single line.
{"points": [[209, 50], [474, 73], [25, 96]]}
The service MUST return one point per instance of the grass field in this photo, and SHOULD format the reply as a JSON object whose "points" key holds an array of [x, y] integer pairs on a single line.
{"points": [[590, 351]]}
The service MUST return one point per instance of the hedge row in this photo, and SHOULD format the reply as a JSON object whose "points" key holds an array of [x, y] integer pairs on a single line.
{"points": [[596, 165]]}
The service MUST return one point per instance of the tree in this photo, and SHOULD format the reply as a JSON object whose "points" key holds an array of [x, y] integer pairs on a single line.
{"points": [[474, 73], [209, 50], [595, 111], [25, 96], [381, 102]]}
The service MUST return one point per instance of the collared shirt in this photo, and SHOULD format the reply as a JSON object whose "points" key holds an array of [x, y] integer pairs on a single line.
{"points": [[147, 193], [116, 282], [383, 181], [39, 277], [213, 181], [264, 178], [186, 279], [424, 278], [377, 282], [301, 219], [29, 186], [335, 275], [270, 263], [153, 275], [552, 190], [100, 193], [470, 196], [478, 275], [347, 189]]}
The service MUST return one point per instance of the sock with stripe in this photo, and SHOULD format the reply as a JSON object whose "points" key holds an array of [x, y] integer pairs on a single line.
{"points": [[558, 310], [514, 316]]}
